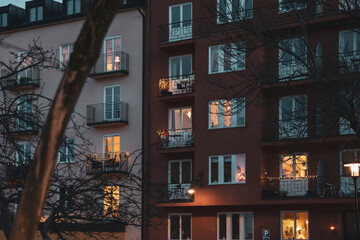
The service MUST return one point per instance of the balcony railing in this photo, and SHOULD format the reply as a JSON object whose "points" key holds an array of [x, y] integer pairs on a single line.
{"points": [[107, 113], [17, 171], [26, 78], [20, 124], [284, 129], [172, 193], [309, 187], [113, 162], [176, 85], [175, 138], [111, 63]]}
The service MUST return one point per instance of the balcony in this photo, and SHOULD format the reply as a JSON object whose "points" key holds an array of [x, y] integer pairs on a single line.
{"points": [[175, 138], [104, 163], [284, 129], [177, 85], [106, 114], [113, 64], [21, 124], [16, 171], [166, 193], [308, 187], [29, 78]]}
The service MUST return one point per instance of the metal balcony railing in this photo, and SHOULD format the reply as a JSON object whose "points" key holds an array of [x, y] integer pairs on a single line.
{"points": [[20, 123], [310, 187], [16, 171], [172, 193], [176, 85], [103, 113], [175, 138], [28, 77], [114, 62], [111, 162]]}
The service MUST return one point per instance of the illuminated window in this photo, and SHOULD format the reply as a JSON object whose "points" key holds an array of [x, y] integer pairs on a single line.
{"points": [[36, 13], [112, 147], [294, 166], [295, 225], [73, 7], [227, 169], [179, 227], [3, 19], [111, 201], [235, 226], [227, 58], [66, 151], [234, 10], [180, 118], [112, 48], [227, 113], [65, 51]]}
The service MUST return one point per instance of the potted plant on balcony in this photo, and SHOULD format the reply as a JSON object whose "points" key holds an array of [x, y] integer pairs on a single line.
{"points": [[164, 87]]}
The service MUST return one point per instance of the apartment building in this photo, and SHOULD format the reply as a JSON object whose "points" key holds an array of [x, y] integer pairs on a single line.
{"points": [[104, 136], [246, 108]]}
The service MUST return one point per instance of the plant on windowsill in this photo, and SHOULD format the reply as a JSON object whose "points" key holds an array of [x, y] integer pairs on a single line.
{"points": [[164, 87]]}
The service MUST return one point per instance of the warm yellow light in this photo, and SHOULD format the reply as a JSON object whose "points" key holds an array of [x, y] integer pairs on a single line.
{"points": [[117, 59], [188, 114], [191, 191], [332, 228], [307, 222], [354, 167]]}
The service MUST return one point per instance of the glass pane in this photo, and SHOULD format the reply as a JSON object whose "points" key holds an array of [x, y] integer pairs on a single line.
{"points": [[286, 108], [4, 19], [214, 51], [235, 9], [40, 13], [186, 118], [227, 113], [214, 170], [187, 15], [235, 226], [214, 111], [300, 107], [186, 66], [174, 227], [348, 42], [222, 226], [302, 229], [175, 17], [301, 166], [227, 57], [248, 226], [70, 7], [287, 167], [286, 52], [227, 169], [175, 119], [222, 10], [115, 201], [116, 146], [186, 227], [32, 14], [186, 172], [107, 201], [288, 228], [77, 6], [240, 168], [175, 67], [117, 44], [174, 173], [64, 54]]}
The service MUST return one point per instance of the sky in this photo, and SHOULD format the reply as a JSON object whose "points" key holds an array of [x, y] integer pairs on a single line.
{"points": [[20, 3]]}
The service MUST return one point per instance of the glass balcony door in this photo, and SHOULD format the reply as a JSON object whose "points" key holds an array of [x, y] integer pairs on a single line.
{"points": [[112, 58], [179, 179], [25, 114], [180, 126], [293, 175], [112, 103], [111, 152], [26, 71], [180, 68], [180, 25]]}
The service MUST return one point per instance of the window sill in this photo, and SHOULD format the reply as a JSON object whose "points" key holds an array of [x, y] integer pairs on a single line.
{"points": [[229, 183], [230, 71], [214, 128]]}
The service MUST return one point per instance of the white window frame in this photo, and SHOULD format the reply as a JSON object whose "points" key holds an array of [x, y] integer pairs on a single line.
{"points": [[27, 115], [181, 119], [28, 70], [295, 211], [66, 146], [240, 55], [113, 52], [64, 63], [76, 7], [180, 225], [221, 159], [181, 57], [112, 141], [241, 14], [234, 115], [180, 170], [186, 32], [37, 15], [228, 224], [113, 102], [4, 19]]}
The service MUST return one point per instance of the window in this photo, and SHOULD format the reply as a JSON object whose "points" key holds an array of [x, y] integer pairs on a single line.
{"points": [[66, 152], [180, 127], [112, 147], [112, 48], [112, 109], [346, 182], [23, 153], [226, 58], [294, 225], [27, 72], [73, 7], [180, 65], [349, 50], [66, 197], [293, 174], [179, 227], [227, 113], [180, 22], [3, 19], [235, 226], [225, 169], [65, 52], [291, 5], [292, 59], [293, 117], [179, 178], [234, 10], [25, 115], [111, 201], [349, 5], [36, 13]]}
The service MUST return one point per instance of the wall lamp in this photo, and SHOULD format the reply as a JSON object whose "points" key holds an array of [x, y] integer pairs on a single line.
{"points": [[191, 190]]}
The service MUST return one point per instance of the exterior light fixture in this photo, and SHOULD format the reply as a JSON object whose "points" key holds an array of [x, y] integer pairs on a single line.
{"points": [[117, 59], [354, 168], [191, 190], [332, 228]]}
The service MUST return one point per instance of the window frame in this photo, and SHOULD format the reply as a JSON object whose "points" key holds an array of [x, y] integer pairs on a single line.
{"points": [[113, 52], [66, 196], [181, 57], [74, 7], [229, 224], [37, 15], [283, 9], [4, 15], [181, 117], [27, 115], [67, 149], [70, 49], [293, 155], [112, 144], [293, 211], [221, 169], [180, 225], [111, 202], [113, 102], [241, 13], [181, 22], [180, 171], [234, 116], [22, 146], [233, 61]]}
